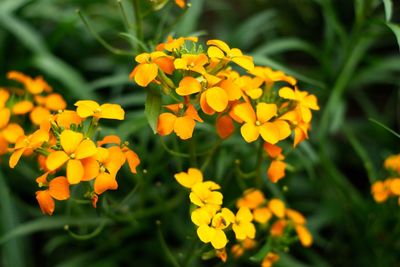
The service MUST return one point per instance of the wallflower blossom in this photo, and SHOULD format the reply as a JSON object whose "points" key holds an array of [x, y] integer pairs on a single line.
{"points": [[276, 170], [58, 188], [147, 70], [74, 149], [26, 144], [305, 102], [259, 123], [181, 121], [242, 225], [90, 108]]}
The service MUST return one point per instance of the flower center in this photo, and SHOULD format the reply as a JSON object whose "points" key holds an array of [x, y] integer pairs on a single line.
{"points": [[72, 156], [258, 123]]}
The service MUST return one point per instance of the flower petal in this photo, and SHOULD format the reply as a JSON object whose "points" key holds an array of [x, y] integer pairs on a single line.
{"points": [[75, 171], [217, 98], [192, 177], [269, 132], [184, 127], [165, 124], [112, 111], [250, 132], [187, 86], [56, 159], [85, 149], [86, 108], [46, 202], [245, 112], [146, 73], [104, 182], [266, 111], [70, 140], [59, 188]]}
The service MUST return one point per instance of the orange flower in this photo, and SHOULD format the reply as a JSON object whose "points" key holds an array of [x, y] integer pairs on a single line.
{"points": [[131, 157], [90, 108], [270, 76], [58, 188], [391, 163], [305, 102], [9, 135], [182, 125], [46, 104], [252, 198], [276, 170], [34, 86], [258, 122], [181, 4], [148, 67], [27, 143], [270, 259], [75, 148], [191, 62], [188, 85]]}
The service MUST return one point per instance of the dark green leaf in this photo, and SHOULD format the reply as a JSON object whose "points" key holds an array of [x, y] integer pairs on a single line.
{"points": [[396, 30], [153, 106], [388, 9]]}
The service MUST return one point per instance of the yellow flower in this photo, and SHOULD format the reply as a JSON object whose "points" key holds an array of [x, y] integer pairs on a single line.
{"points": [[188, 85], [243, 226], [203, 194], [270, 76], [256, 123], [190, 178], [215, 233], [148, 67], [89, 108], [191, 62], [220, 50], [75, 148], [27, 143]]}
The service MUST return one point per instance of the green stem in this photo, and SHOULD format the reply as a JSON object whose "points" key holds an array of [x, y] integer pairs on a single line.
{"points": [[210, 154], [190, 253], [94, 123], [164, 246], [171, 151], [258, 169], [88, 236], [192, 153], [385, 127]]}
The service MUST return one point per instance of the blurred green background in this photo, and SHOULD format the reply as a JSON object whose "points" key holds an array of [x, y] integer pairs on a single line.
{"points": [[345, 52]]}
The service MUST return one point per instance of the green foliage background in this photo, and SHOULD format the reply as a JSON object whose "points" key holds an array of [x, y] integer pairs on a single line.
{"points": [[345, 52]]}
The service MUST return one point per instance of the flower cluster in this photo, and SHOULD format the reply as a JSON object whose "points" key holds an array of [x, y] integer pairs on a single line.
{"points": [[262, 102], [390, 187], [213, 220], [62, 141]]}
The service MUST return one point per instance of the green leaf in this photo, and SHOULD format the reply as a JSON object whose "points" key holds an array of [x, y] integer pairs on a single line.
{"points": [[13, 249], [153, 106], [189, 22], [259, 256], [66, 74], [388, 9], [49, 223], [396, 30], [286, 44]]}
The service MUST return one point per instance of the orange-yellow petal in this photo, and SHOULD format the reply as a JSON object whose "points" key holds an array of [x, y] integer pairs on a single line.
{"points": [[59, 188], [22, 107], [55, 102], [225, 127], [12, 132], [184, 127], [245, 62], [250, 132], [132, 159], [86, 108], [75, 171], [269, 132], [305, 236], [91, 168], [165, 123], [277, 207], [146, 73], [276, 170], [39, 114], [265, 111], [189, 179], [46, 202], [56, 159], [245, 112], [217, 98], [15, 156], [103, 182], [85, 149], [112, 111], [187, 86], [4, 117], [70, 140]]}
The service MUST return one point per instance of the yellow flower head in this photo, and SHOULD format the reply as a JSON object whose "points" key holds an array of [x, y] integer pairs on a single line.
{"points": [[74, 149], [243, 226], [89, 108]]}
